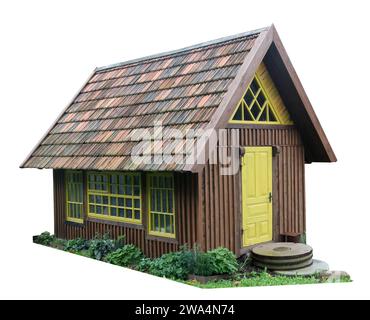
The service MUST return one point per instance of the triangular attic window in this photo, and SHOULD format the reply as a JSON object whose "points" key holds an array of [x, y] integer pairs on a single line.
{"points": [[255, 106]]}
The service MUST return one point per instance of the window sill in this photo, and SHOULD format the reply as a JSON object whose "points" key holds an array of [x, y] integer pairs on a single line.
{"points": [[116, 223], [75, 224], [233, 125], [161, 239]]}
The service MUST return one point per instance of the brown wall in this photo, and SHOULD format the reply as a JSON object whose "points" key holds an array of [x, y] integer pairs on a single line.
{"points": [[186, 205], [222, 202], [219, 223]]}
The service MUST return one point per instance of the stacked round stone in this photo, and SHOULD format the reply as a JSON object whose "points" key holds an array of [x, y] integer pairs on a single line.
{"points": [[282, 256]]}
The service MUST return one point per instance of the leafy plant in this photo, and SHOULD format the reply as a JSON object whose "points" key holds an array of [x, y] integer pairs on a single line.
{"points": [[101, 246], [199, 262], [223, 261], [203, 265], [257, 279], [187, 256], [217, 261], [245, 263], [83, 253], [58, 243], [44, 238], [126, 256], [171, 265], [77, 244], [120, 242], [177, 265], [144, 265]]}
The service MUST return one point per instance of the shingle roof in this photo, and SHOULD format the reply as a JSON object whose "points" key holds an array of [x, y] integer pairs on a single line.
{"points": [[182, 89]]}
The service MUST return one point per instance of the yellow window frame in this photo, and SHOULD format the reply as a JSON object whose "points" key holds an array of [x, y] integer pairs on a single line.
{"points": [[106, 192], [161, 213], [77, 203], [245, 107]]}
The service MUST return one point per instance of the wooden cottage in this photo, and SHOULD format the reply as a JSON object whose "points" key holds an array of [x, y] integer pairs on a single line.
{"points": [[242, 86]]}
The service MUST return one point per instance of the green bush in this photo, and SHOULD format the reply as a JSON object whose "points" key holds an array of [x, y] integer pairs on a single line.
{"points": [[44, 238], [58, 244], [203, 265], [217, 261], [198, 262], [178, 265], [120, 242], [77, 244], [128, 255], [223, 261], [144, 265], [172, 265], [101, 246]]}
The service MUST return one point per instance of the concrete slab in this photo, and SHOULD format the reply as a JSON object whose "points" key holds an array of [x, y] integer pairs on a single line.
{"points": [[317, 266]]}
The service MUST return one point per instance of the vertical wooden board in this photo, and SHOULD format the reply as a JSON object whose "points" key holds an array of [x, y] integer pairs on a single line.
{"points": [[221, 210], [237, 187], [56, 204], [232, 216], [178, 204], [184, 210], [193, 224], [194, 179], [208, 207], [226, 212], [303, 195], [217, 206], [258, 136], [296, 184], [200, 217], [212, 207], [189, 211], [290, 212], [285, 188], [281, 191], [292, 188], [148, 250], [300, 190], [275, 197], [59, 200]]}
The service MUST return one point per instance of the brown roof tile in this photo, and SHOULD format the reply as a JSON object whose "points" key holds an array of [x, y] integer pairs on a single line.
{"points": [[181, 89]]}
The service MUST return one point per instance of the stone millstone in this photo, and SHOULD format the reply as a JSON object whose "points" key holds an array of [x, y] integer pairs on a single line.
{"points": [[317, 267], [282, 256]]}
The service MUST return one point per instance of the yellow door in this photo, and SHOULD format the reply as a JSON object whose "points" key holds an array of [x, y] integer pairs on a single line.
{"points": [[257, 195]]}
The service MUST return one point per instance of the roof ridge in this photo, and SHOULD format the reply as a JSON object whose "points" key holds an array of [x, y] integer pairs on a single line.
{"points": [[182, 50]]}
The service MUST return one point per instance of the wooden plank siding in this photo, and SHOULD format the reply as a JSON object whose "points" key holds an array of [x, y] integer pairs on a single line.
{"points": [[219, 208], [186, 205], [216, 219], [223, 207]]}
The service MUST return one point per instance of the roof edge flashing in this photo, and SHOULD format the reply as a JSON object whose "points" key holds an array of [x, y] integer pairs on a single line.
{"points": [[181, 50]]}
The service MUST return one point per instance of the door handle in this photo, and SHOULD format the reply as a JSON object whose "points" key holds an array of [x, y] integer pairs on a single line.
{"points": [[270, 196]]}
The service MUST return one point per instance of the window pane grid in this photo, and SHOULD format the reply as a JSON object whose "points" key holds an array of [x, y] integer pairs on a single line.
{"points": [[118, 199], [161, 209], [254, 106], [74, 196]]}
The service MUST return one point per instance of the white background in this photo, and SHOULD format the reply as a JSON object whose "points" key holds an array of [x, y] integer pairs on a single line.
{"points": [[48, 49]]}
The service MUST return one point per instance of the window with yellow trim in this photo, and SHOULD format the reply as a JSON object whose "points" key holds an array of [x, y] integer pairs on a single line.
{"points": [[114, 196], [161, 200], [74, 196], [255, 106]]}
